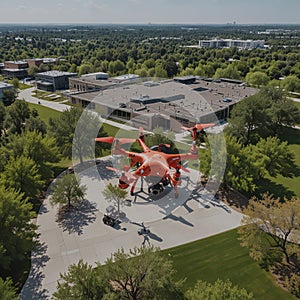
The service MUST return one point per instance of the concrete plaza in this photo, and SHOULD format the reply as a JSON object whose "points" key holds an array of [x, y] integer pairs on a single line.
{"points": [[67, 237]]}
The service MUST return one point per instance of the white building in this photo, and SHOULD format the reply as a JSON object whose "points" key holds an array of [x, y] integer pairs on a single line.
{"points": [[229, 43]]}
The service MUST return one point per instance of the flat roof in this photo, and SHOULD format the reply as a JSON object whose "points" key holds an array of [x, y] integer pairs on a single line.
{"points": [[17, 62], [56, 73], [171, 98], [97, 82], [14, 70]]}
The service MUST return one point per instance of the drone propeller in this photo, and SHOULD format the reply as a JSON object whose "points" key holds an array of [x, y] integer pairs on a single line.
{"points": [[184, 169], [203, 126], [199, 126], [111, 139]]}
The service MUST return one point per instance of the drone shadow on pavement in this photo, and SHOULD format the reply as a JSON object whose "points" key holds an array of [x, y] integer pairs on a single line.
{"points": [[32, 288], [75, 218], [179, 219]]}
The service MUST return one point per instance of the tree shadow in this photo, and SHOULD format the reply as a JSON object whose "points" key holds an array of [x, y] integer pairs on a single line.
{"points": [[76, 217], [291, 135], [32, 288], [276, 189]]}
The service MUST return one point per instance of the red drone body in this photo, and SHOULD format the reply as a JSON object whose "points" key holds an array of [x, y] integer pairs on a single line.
{"points": [[150, 163]]}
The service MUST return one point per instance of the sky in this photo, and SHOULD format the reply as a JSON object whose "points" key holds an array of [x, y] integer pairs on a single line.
{"points": [[151, 11]]}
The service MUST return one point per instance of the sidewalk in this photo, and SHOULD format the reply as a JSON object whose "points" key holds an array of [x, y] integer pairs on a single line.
{"points": [[26, 95]]}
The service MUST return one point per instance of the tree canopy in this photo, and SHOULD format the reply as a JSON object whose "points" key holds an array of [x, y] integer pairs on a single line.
{"points": [[272, 229], [114, 193], [141, 273], [17, 231], [67, 190], [221, 290]]}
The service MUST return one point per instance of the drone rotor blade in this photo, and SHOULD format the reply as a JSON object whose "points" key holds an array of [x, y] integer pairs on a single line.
{"points": [[108, 139], [203, 126], [126, 141], [187, 128], [185, 169], [113, 169]]}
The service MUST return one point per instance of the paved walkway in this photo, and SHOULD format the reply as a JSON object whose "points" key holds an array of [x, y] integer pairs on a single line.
{"points": [[26, 95], [81, 234]]}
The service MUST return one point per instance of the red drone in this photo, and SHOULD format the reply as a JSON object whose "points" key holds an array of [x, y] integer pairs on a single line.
{"points": [[159, 167], [198, 127]]}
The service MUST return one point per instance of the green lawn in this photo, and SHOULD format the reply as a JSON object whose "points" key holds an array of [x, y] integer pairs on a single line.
{"points": [[221, 256], [45, 113]]}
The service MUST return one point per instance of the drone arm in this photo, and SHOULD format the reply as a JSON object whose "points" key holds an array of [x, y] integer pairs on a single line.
{"points": [[143, 145]]}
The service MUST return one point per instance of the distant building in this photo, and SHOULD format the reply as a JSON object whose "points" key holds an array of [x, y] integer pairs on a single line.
{"points": [[99, 81], [20, 65], [15, 69], [84, 84], [1, 67], [229, 43], [96, 76], [38, 61], [34, 62], [53, 80], [185, 79], [4, 86]]}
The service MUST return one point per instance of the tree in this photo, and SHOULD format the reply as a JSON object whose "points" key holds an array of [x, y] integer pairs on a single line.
{"points": [[160, 72], [284, 113], [10, 96], [220, 290], [63, 128], [7, 290], [143, 273], [16, 115], [67, 190], [257, 78], [249, 119], [115, 194], [229, 163], [75, 131], [16, 83], [170, 66], [81, 282], [42, 150], [87, 128], [229, 72], [2, 117], [271, 229], [282, 110], [278, 159], [17, 230], [85, 69], [22, 174], [262, 115], [32, 70], [36, 124], [291, 83]]}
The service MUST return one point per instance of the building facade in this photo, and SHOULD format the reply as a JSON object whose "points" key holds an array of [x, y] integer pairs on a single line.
{"points": [[52, 81]]}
